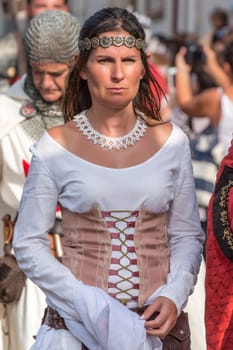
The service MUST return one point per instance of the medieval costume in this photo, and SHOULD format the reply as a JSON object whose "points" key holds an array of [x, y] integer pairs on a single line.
{"points": [[219, 260], [24, 118], [115, 230]]}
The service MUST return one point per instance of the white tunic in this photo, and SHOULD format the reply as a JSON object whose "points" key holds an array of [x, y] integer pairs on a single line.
{"points": [[14, 145], [15, 157], [163, 183]]}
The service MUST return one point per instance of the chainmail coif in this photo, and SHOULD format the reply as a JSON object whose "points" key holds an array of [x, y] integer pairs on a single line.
{"points": [[51, 37]]}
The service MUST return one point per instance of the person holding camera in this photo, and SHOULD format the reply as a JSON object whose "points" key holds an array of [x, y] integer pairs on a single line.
{"points": [[214, 103]]}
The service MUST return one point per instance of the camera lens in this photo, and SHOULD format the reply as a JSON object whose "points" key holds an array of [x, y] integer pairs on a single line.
{"points": [[194, 54]]}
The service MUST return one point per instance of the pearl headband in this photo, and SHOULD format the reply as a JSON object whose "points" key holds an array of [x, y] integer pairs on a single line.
{"points": [[106, 41]]}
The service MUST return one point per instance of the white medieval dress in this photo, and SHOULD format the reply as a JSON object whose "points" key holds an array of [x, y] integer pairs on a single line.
{"points": [[162, 185]]}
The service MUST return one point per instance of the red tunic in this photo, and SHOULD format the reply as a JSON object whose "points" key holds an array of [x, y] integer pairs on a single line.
{"points": [[219, 260]]}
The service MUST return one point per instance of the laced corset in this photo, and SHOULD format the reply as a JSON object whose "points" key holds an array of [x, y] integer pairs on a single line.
{"points": [[123, 252]]}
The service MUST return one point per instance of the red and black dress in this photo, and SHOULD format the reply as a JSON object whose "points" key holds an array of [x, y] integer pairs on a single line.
{"points": [[219, 260]]}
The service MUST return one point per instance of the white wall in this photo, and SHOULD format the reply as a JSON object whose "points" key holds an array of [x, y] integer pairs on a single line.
{"points": [[164, 25], [193, 16]]}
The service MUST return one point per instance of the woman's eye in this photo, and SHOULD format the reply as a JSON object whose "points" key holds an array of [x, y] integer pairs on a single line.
{"points": [[129, 60], [104, 60]]}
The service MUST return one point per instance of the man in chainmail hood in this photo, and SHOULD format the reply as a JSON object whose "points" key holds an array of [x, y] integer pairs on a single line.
{"points": [[51, 43], [27, 109], [12, 64]]}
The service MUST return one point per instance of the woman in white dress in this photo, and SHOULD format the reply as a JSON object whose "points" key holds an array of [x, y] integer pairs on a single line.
{"points": [[123, 178]]}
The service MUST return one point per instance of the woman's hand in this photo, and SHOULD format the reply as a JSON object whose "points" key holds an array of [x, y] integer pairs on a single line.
{"points": [[210, 55], [213, 67], [211, 60], [181, 64], [165, 320]]}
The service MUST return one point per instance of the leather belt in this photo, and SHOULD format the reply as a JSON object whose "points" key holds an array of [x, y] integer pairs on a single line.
{"points": [[52, 319]]}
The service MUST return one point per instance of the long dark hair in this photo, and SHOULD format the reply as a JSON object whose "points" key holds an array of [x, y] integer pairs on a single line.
{"points": [[77, 97]]}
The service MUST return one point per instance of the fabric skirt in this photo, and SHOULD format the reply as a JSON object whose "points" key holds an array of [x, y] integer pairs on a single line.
{"points": [[55, 339]]}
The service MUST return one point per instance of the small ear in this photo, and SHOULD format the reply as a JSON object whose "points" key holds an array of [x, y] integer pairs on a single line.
{"points": [[143, 73], [83, 74], [76, 57]]}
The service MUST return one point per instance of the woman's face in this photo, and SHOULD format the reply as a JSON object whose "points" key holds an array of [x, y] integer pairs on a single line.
{"points": [[113, 74]]}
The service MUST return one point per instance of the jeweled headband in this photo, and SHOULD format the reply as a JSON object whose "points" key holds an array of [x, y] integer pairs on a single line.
{"points": [[106, 41]]}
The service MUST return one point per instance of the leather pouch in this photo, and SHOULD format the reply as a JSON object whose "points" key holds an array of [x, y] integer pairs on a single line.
{"points": [[179, 336], [12, 280]]}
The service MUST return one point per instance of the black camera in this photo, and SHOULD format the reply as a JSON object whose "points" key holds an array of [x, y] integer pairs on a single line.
{"points": [[195, 55]]}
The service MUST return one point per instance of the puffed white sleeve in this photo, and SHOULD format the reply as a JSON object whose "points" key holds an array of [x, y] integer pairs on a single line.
{"points": [[36, 216], [90, 313], [185, 235]]}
